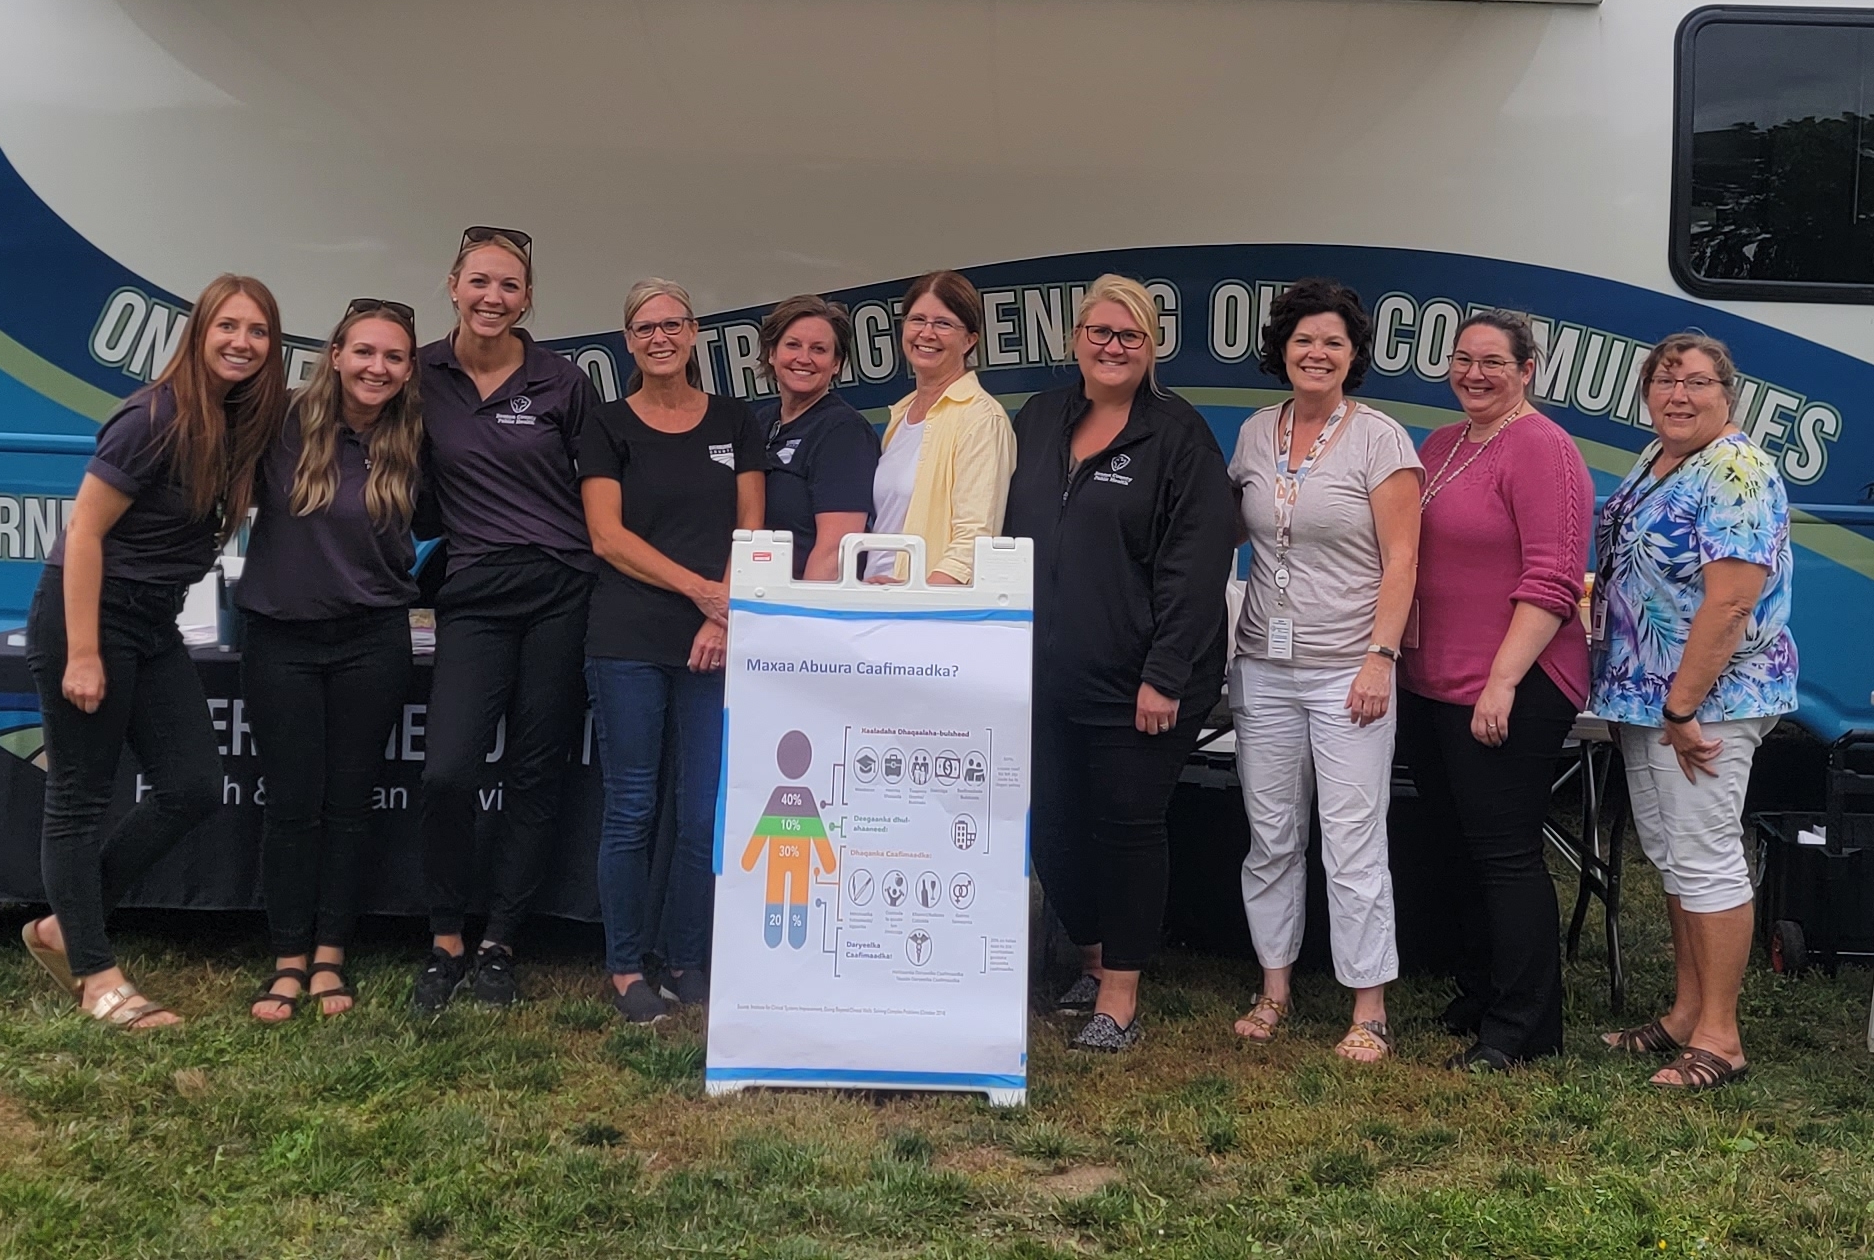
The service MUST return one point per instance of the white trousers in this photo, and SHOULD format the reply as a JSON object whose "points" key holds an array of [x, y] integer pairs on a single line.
{"points": [[1294, 742], [1694, 831]]}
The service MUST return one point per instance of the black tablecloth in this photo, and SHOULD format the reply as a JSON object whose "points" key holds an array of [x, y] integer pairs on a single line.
{"points": [[218, 866]]}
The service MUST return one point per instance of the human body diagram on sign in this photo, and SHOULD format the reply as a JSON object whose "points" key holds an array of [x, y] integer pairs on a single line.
{"points": [[790, 833]]}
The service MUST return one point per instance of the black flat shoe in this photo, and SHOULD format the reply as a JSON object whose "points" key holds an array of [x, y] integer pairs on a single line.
{"points": [[1480, 1058], [1103, 1035]]}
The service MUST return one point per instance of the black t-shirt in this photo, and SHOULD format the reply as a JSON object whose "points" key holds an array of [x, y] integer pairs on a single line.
{"points": [[157, 539], [823, 461], [679, 496]]}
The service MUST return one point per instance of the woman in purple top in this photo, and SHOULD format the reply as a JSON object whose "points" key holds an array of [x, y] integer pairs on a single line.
{"points": [[326, 665], [501, 419], [1494, 672], [170, 481]]}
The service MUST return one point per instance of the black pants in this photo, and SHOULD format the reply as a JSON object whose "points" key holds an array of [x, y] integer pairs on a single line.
{"points": [[1484, 809], [153, 701], [510, 642], [322, 697], [1099, 841]]}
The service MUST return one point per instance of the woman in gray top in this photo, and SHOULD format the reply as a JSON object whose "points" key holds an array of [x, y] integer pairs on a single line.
{"points": [[1327, 490]]}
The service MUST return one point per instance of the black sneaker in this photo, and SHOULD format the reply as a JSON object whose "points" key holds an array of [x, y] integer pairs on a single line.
{"points": [[691, 988], [639, 1003], [494, 976], [441, 976]]}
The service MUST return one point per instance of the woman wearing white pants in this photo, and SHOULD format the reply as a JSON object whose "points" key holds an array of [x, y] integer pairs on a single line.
{"points": [[1329, 495]]}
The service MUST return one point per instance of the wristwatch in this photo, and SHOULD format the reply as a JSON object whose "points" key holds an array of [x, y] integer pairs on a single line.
{"points": [[1390, 653], [1677, 719]]}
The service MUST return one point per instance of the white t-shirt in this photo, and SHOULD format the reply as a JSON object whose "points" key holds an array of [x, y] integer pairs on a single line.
{"points": [[891, 493]]}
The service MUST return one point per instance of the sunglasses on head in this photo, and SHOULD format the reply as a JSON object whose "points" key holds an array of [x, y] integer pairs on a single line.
{"points": [[479, 235], [364, 306]]}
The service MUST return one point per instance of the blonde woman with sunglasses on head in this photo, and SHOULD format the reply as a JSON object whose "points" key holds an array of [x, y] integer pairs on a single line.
{"points": [[326, 662], [502, 418]]}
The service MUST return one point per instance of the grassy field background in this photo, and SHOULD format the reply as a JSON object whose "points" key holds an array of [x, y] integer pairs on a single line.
{"points": [[552, 1130]]}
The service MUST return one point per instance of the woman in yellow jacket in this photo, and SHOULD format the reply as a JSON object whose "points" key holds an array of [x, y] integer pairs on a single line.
{"points": [[949, 449]]}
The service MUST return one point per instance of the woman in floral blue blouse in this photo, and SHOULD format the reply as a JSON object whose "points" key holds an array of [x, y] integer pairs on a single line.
{"points": [[1693, 658]]}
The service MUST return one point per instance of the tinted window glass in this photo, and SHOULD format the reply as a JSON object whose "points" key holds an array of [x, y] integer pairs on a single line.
{"points": [[1780, 184]]}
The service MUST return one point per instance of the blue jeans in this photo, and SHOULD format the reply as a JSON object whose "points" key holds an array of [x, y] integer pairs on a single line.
{"points": [[629, 703]]}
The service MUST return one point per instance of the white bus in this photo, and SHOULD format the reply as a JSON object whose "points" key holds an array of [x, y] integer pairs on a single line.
{"points": [[1619, 170]]}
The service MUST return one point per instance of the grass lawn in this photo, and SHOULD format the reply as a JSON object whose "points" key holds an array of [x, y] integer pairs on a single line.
{"points": [[550, 1130]]}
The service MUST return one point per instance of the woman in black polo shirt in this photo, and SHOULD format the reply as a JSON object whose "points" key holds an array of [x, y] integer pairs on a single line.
{"points": [[1124, 491], [822, 454], [326, 662], [669, 473], [170, 482], [501, 417]]}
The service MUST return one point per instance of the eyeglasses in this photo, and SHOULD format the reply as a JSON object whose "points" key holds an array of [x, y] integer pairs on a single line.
{"points": [[1100, 335], [482, 235], [364, 306], [941, 326], [644, 329], [1493, 366], [1668, 385]]}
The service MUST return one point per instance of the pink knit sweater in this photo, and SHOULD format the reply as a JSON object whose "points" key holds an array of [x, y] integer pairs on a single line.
{"points": [[1512, 528]]}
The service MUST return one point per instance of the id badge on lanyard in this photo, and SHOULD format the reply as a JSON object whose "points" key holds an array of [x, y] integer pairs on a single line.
{"points": [[1597, 609], [1281, 635]]}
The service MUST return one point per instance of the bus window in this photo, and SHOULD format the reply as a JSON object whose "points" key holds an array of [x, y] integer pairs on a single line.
{"points": [[1773, 155]]}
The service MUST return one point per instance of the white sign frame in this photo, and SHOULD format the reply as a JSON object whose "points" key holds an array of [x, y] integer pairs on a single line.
{"points": [[884, 729]]}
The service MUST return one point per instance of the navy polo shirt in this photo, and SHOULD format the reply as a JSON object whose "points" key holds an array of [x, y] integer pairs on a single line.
{"points": [[821, 461], [157, 539], [503, 468], [328, 563]]}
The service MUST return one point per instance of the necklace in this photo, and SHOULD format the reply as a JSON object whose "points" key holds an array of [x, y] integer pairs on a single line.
{"points": [[1439, 481]]}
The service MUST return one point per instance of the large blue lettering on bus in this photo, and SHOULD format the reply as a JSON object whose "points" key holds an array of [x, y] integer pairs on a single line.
{"points": [[78, 331]]}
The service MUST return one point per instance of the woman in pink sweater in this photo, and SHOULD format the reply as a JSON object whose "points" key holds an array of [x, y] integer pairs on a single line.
{"points": [[1495, 669]]}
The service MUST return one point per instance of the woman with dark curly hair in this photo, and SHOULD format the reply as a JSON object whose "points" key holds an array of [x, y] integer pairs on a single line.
{"points": [[1328, 493]]}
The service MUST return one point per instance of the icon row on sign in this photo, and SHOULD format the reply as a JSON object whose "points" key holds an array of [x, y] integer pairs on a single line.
{"points": [[944, 767], [927, 891]]}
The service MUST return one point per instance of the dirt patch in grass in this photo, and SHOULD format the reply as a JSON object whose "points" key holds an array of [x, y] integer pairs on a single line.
{"points": [[1075, 1182], [19, 1136]]}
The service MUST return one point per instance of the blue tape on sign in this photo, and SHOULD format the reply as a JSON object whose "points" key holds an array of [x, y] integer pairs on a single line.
{"points": [[906, 614], [722, 794], [879, 1079]]}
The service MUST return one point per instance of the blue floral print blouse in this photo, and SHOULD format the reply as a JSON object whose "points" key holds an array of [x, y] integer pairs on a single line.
{"points": [[1724, 502]]}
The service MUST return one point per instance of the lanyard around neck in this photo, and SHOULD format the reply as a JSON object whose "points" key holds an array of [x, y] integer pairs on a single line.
{"points": [[1288, 484]]}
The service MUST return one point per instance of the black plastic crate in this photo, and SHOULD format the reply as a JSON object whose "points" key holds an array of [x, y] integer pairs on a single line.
{"points": [[1815, 902]]}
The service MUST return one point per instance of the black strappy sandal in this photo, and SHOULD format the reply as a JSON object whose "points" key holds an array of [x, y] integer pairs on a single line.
{"points": [[266, 994], [344, 989]]}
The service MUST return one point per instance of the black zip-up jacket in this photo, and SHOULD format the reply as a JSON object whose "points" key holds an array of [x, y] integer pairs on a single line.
{"points": [[1132, 553]]}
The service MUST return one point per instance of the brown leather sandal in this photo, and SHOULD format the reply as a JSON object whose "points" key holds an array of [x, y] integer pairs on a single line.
{"points": [[1700, 1070], [1646, 1039], [1370, 1035], [1266, 1014]]}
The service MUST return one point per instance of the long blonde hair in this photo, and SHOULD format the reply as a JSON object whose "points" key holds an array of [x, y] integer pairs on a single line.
{"points": [[396, 439]]}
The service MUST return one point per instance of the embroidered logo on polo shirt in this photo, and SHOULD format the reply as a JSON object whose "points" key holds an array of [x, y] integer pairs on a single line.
{"points": [[1119, 461], [723, 453], [523, 403]]}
